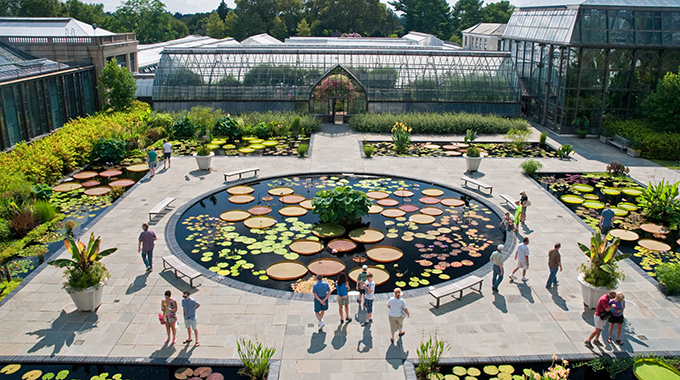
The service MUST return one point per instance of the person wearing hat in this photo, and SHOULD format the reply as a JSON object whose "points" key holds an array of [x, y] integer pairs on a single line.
{"points": [[524, 201], [361, 279], [497, 260]]}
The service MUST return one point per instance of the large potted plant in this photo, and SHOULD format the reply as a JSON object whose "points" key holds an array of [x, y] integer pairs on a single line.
{"points": [[85, 273], [203, 157], [473, 155], [601, 274]]}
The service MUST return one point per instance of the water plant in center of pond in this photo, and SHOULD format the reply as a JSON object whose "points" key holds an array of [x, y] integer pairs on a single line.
{"points": [[401, 137], [255, 358], [616, 169], [429, 353], [341, 205], [518, 137], [602, 269]]}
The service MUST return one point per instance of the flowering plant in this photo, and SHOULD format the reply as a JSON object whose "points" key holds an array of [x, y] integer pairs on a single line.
{"points": [[555, 372], [401, 137], [336, 85]]}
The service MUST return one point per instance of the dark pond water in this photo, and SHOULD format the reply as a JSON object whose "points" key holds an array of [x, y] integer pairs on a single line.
{"points": [[580, 373], [623, 195], [453, 245], [81, 371]]}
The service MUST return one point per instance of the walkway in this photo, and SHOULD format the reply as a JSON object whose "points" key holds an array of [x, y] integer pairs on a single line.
{"points": [[522, 319]]}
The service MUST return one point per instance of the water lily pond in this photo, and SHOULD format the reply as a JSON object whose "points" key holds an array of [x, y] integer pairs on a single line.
{"points": [[264, 233], [586, 194], [456, 149], [245, 146]]}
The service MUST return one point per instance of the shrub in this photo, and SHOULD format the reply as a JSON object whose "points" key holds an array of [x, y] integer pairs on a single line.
{"points": [[5, 231], [473, 151], [44, 210], [662, 107], [255, 359], [369, 150], [227, 127], [183, 129], [668, 275], [542, 139], [16, 247], [204, 118], [308, 123], [341, 205], [657, 145], [202, 150], [42, 191], [564, 151], [435, 123], [429, 353], [518, 137], [295, 126], [302, 149], [530, 166], [155, 134], [660, 202], [262, 130], [22, 223], [110, 150], [401, 137]]}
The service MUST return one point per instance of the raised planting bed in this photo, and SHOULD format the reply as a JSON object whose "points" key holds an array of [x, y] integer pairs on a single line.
{"points": [[246, 146], [456, 149]]}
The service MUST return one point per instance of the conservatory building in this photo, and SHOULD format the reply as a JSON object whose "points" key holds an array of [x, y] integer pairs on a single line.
{"points": [[578, 60], [338, 76]]}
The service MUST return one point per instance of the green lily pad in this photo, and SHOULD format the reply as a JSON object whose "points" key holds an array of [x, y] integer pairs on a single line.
{"points": [[459, 371], [212, 146], [328, 230], [627, 206], [491, 370], [591, 197], [218, 142], [249, 138], [246, 150], [584, 188], [414, 284], [270, 143], [264, 277], [400, 284], [594, 204], [506, 368], [256, 141], [611, 191], [632, 191], [619, 211], [256, 146], [444, 277], [571, 198], [229, 146]]}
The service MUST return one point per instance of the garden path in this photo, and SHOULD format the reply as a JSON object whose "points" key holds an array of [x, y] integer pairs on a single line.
{"points": [[522, 319]]}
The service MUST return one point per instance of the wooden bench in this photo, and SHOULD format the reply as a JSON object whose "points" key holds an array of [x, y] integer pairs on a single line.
{"points": [[479, 184], [459, 286], [620, 142], [239, 173], [509, 201], [160, 207], [181, 268]]}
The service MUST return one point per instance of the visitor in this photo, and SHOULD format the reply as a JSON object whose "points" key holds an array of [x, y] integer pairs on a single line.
{"points": [[602, 313], [369, 287], [151, 156], [189, 305], [522, 257], [396, 314], [169, 316], [617, 304], [497, 260], [524, 201], [361, 279], [343, 296], [321, 292], [554, 263], [167, 152], [518, 215], [606, 220], [507, 222], [146, 244]]}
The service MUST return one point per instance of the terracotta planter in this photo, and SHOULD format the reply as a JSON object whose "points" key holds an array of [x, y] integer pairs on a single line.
{"points": [[203, 162], [472, 163], [88, 299], [591, 294]]}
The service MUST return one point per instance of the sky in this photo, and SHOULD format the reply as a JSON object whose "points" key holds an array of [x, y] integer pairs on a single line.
{"points": [[195, 6]]}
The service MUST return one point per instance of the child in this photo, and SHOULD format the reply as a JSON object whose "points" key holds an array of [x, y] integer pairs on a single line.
{"points": [[361, 278], [518, 214], [507, 222], [617, 304]]}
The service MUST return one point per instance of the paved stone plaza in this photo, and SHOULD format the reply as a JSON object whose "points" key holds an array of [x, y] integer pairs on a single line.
{"points": [[522, 319]]}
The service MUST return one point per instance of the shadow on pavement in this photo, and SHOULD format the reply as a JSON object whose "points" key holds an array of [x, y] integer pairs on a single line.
{"points": [[63, 330], [318, 342], [395, 354]]}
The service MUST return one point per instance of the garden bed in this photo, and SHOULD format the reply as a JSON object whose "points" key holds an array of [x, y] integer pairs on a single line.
{"points": [[272, 146], [456, 149]]}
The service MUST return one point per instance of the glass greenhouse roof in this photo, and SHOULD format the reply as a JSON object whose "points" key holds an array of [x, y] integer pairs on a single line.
{"points": [[280, 73], [549, 25]]}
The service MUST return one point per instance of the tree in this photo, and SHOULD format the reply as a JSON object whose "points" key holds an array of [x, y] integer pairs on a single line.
{"points": [[427, 16], [147, 18], [662, 107], [278, 29], [179, 28], [347, 16], [87, 13], [466, 13], [41, 8], [215, 26], [117, 86], [231, 24], [303, 29], [290, 12], [499, 12], [222, 10], [9, 8]]}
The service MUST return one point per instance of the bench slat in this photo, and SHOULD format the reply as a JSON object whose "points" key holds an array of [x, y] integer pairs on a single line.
{"points": [[161, 205], [179, 266], [459, 286], [240, 172]]}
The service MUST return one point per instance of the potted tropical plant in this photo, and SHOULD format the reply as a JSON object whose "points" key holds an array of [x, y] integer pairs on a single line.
{"points": [[473, 155], [85, 273], [602, 273], [203, 157]]}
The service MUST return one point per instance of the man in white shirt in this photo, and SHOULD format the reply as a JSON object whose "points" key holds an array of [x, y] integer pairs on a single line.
{"points": [[522, 257], [369, 286], [167, 152]]}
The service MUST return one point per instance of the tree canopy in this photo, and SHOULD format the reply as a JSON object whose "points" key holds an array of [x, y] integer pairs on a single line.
{"points": [[117, 85]]}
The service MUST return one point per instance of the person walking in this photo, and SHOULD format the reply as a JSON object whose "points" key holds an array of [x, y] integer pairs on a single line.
{"points": [[147, 241], [601, 315], [617, 304], [169, 315], [167, 153], [369, 287], [361, 279], [321, 292], [343, 296], [522, 257], [524, 201], [151, 157], [518, 215], [396, 314], [189, 305], [606, 220], [497, 260], [554, 263]]}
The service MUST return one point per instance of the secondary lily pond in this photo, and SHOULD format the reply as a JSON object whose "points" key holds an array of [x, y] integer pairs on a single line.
{"points": [[456, 149], [586, 194], [264, 233]]}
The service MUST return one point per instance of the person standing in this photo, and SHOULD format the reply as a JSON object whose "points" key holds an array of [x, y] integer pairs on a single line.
{"points": [[518, 215], [189, 305], [151, 157], [343, 296], [617, 304], [524, 201], [321, 292], [497, 260], [397, 310], [146, 244], [522, 257], [554, 263], [167, 153], [361, 279], [169, 315], [602, 307], [606, 220], [369, 287]]}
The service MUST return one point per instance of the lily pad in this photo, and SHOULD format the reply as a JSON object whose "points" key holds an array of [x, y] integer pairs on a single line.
{"points": [[286, 270], [584, 188], [611, 191], [327, 267], [306, 247], [270, 143], [633, 192], [627, 206], [366, 235], [459, 371], [593, 204], [619, 211], [591, 197], [571, 198], [246, 150], [384, 254], [257, 146]]}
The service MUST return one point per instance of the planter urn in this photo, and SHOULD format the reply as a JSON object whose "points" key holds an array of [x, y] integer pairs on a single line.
{"points": [[203, 162], [591, 294], [88, 299], [472, 163], [633, 152]]}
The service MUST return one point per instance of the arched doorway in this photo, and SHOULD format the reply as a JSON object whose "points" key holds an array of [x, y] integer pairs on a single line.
{"points": [[337, 95]]}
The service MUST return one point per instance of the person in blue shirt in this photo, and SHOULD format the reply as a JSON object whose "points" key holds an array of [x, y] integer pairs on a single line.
{"points": [[606, 220], [190, 305], [321, 292]]}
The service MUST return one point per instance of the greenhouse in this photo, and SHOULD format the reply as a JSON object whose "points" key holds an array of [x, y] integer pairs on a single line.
{"points": [[579, 60], [337, 79]]}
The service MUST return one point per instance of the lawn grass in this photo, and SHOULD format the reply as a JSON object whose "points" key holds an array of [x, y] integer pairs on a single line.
{"points": [[669, 164]]}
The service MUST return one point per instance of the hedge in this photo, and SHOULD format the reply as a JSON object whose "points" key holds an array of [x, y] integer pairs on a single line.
{"points": [[308, 122], [11, 251], [653, 144], [436, 123]]}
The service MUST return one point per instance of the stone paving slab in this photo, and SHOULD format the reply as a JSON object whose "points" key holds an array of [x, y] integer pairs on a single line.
{"points": [[523, 319]]}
